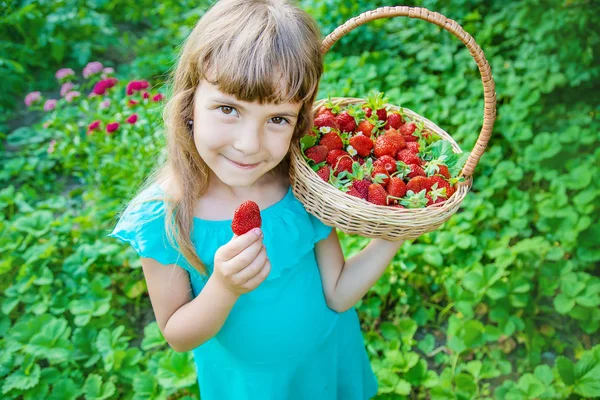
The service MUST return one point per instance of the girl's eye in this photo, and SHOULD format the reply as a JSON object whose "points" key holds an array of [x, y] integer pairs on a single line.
{"points": [[280, 120], [227, 110]]}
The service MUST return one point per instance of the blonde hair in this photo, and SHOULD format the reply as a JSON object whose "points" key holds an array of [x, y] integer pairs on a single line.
{"points": [[256, 50]]}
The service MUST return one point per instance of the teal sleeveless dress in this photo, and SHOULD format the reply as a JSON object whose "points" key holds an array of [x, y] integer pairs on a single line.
{"points": [[281, 341]]}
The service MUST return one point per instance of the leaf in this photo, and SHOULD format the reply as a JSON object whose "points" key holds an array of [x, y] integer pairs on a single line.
{"points": [[307, 142], [565, 370], [152, 337], [427, 344], [543, 373], [95, 390], [22, 380], [37, 224], [563, 304], [473, 282], [177, 370], [531, 386], [403, 387], [389, 331], [144, 386], [433, 256], [587, 371], [65, 389]]}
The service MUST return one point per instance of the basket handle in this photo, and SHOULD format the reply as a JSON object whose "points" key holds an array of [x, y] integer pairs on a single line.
{"points": [[489, 112]]}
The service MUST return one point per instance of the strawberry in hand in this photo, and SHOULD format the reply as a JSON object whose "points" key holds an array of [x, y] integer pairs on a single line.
{"points": [[245, 218]]}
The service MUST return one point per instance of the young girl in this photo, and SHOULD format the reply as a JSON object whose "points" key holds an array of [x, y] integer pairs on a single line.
{"points": [[269, 314]]}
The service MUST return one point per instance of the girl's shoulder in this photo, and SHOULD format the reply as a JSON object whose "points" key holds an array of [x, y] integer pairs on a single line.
{"points": [[142, 225]]}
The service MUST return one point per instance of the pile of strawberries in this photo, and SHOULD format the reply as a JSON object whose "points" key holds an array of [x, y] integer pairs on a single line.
{"points": [[378, 155]]}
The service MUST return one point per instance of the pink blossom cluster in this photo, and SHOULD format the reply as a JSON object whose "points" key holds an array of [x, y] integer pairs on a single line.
{"points": [[101, 87]]}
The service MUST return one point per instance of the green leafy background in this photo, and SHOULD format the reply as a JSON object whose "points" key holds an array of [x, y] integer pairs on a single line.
{"points": [[501, 302]]}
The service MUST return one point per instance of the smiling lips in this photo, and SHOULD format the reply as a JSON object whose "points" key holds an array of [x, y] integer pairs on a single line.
{"points": [[242, 165]]}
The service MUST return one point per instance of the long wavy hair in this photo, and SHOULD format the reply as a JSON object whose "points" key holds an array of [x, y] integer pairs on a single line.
{"points": [[266, 51]]}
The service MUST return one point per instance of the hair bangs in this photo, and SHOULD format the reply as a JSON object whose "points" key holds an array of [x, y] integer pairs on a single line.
{"points": [[267, 60]]}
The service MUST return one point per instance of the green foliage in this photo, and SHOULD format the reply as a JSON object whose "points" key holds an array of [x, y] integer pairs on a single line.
{"points": [[501, 302]]}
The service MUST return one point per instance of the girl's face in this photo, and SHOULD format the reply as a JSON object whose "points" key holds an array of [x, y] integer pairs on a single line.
{"points": [[241, 141]]}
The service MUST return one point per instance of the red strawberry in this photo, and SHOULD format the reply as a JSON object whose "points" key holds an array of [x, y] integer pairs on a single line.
{"points": [[396, 187], [413, 146], [366, 128], [324, 172], [360, 160], [362, 187], [387, 145], [346, 122], [430, 200], [416, 170], [362, 144], [417, 184], [380, 170], [438, 194], [388, 162], [396, 137], [326, 119], [407, 157], [343, 163], [382, 114], [245, 218], [377, 194], [324, 110], [408, 129], [332, 141], [317, 153], [368, 112], [394, 120], [444, 171], [441, 183], [410, 138], [333, 156], [353, 192]]}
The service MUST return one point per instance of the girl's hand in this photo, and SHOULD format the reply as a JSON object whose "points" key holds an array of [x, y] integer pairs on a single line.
{"points": [[242, 264]]}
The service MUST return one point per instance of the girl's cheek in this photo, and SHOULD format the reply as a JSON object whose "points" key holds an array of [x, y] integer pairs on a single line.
{"points": [[215, 135]]}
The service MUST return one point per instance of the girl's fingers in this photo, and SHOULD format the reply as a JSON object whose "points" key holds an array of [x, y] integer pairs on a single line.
{"points": [[260, 277], [253, 268]]}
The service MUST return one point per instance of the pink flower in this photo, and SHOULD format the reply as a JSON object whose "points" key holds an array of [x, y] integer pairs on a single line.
{"points": [[65, 88], [113, 126], [64, 73], [92, 68], [106, 72], [93, 126], [158, 97], [32, 98], [132, 118], [134, 86], [51, 146], [50, 105], [131, 103], [145, 95], [71, 95], [100, 87], [105, 104]]}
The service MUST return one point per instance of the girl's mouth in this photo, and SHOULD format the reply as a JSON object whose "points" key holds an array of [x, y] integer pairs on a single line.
{"points": [[242, 165]]}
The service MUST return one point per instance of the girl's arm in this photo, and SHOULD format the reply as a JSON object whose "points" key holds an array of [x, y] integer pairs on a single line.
{"points": [[184, 321], [346, 282]]}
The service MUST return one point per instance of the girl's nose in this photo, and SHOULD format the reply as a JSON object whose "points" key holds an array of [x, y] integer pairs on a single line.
{"points": [[248, 139]]}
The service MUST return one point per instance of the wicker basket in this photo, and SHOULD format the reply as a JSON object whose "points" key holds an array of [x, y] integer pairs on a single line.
{"points": [[356, 216]]}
